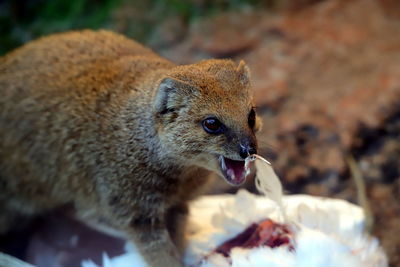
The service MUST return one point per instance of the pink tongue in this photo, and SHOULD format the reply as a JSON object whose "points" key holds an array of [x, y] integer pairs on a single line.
{"points": [[237, 167]]}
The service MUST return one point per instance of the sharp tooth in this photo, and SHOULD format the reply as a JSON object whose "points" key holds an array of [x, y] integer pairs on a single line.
{"points": [[247, 167], [222, 161]]}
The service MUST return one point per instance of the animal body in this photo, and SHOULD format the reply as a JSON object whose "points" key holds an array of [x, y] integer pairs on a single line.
{"points": [[96, 120]]}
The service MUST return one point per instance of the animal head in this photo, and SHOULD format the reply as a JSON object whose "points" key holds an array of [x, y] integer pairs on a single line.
{"points": [[205, 115]]}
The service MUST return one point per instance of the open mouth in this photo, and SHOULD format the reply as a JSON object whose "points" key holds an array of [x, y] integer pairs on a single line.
{"points": [[234, 171]]}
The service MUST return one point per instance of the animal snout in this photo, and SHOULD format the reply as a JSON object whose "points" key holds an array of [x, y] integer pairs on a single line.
{"points": [[246, 149]]}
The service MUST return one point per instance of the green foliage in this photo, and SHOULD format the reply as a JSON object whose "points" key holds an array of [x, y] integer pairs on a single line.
{"points": [[24, 20], [21, 21]]}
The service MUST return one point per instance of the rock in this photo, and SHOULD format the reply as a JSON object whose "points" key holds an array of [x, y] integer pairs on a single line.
{"points": [[226, 34], [168, 33]]}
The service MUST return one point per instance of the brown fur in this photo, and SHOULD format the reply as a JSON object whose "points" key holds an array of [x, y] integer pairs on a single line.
{"points": [[97, 120]]}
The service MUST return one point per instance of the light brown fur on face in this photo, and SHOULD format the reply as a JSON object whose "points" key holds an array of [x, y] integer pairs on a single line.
{"points": [[97, 120]]}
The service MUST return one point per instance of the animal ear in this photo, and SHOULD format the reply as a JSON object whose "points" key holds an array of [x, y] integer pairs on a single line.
{"points": [[244, 73], [171, 95]]}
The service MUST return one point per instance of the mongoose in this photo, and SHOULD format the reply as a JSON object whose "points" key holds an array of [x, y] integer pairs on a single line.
{"points": [[94, 119]]}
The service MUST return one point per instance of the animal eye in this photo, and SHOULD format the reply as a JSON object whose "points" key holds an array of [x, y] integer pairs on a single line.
{"points": [[213, 126], [252, 118]]}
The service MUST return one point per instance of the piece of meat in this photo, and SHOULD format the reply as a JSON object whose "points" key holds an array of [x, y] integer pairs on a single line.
{"points": [[265, 233]]}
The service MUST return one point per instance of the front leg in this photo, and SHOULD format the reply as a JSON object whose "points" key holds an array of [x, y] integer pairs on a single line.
{"points": [[176, 219], [141, 222], [151, 237], [137, 206]]}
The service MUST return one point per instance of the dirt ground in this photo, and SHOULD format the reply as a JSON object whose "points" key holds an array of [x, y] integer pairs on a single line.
{"points": [[327, 84]]}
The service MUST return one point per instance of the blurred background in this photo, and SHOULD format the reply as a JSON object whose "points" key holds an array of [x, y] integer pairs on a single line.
{"points": [[326, 77]]}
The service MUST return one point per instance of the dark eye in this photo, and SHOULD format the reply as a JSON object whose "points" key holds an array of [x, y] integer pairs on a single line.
{"points": [[213, 126], [252, 118]]}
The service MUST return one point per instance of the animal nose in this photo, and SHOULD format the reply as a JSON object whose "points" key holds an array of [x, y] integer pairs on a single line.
{"points": [[247, 150]]}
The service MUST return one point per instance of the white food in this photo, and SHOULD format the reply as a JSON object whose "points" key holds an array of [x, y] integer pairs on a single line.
{"points": [[328, 232]]}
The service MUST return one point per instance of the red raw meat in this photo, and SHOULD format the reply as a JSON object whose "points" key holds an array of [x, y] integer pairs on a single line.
{"points": [[265, 233]]}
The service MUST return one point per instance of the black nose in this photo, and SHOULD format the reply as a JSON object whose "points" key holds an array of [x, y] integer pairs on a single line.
{"points": [[247, 150]]}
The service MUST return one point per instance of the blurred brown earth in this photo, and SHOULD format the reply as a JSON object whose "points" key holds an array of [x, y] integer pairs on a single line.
{"points": [[327, 84]]}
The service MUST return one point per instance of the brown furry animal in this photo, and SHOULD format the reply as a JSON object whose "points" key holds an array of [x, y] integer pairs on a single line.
{"points": [[99, 121]]}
